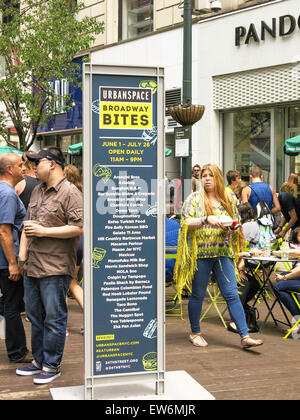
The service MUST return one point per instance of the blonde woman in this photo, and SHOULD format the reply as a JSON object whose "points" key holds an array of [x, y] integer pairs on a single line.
{"points": [[206, 245]]}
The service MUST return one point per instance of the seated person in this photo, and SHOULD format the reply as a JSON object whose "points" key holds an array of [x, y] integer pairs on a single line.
{"points": [[295, 238], [249, 286], [172, 229], [289, 281]]}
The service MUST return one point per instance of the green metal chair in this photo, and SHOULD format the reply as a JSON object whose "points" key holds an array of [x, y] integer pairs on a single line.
{"points": [[214, 299], [295, 296], [173, 306]]}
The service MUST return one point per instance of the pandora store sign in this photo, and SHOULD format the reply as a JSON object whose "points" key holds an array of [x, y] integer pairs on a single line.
{"points": [[279, 27]]}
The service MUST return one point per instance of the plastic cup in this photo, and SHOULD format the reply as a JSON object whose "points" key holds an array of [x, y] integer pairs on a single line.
{"points": [[27, 223]]}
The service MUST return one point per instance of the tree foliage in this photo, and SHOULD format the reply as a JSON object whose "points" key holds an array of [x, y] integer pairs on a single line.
{"points": [[38, 41]]}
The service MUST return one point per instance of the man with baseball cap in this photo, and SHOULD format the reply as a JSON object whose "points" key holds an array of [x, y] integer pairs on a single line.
{"points": [[48, 249], [49, 153]]}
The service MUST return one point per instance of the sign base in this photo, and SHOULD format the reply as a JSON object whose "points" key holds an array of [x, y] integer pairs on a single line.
{"points": [[179, 385]]}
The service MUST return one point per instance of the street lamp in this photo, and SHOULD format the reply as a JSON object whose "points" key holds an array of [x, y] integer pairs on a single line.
{"points": [[187, 114]]}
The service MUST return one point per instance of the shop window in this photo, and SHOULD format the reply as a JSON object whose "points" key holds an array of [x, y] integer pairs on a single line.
{"points": [[61, 90], [294, 117], [293, 131], [247, 142], [136, 17]]}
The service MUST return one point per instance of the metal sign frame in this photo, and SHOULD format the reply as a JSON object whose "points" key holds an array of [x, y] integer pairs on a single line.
{"points": [[157, 376]]}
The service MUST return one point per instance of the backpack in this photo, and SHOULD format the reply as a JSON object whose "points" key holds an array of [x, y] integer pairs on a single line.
{"points": [[264, 215]]}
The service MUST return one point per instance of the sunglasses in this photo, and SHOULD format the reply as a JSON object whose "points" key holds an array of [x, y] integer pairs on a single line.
{"points": [[39, 161]]}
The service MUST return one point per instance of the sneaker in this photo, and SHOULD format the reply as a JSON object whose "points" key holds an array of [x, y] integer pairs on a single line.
{"points": [[46, 377], [28, 370]]}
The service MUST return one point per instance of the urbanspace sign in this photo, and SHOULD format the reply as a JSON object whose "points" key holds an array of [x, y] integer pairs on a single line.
{"points": [[282, 26], [125, 224]]}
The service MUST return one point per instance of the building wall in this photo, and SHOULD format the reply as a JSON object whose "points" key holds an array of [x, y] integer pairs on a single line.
{"points": [[166, 14], [214, 54]]}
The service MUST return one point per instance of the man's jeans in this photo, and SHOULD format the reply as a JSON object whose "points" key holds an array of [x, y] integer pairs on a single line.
{"points": [[224, 272], [13, 305], [47, 310]]}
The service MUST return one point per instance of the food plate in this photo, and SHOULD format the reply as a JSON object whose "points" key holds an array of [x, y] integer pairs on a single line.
{"points": [[225, 220]]}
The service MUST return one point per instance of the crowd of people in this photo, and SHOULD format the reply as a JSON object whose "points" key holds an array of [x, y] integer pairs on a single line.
{"points": [[41, 227], [41, 237], [207, 246]]}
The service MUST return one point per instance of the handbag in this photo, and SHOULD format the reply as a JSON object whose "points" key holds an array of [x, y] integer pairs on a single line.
{"points": [[252, 315]]}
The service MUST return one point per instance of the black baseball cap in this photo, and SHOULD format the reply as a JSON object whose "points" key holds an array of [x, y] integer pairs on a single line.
{"points": [[46, 154]]}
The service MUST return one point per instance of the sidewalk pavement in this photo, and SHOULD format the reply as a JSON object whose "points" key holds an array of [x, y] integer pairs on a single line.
{"points": [[224, 369]]}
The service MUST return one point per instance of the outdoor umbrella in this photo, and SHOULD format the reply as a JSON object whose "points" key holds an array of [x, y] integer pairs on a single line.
{"points": [[8, 149], [292, 146]]}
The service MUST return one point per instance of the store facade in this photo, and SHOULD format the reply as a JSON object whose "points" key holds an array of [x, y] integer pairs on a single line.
{"points": [[246, 71]]}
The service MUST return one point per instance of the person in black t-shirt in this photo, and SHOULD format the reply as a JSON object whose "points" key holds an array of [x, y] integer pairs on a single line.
{"points": [[25, 187], [290, 209]]}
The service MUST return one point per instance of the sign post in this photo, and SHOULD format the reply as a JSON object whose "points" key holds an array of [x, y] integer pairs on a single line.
{"points": [[123, 155]]}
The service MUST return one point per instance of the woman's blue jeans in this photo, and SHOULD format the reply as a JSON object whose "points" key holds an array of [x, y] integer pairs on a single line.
{"points": [[223, 269], [47, 311], [281, 290]]}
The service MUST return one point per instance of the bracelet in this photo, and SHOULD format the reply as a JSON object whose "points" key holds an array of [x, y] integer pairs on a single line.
{"points": [[21, 262], [206, 220]]}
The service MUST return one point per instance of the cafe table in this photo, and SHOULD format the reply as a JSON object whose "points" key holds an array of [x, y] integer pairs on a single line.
{"points": [[267, 266]]}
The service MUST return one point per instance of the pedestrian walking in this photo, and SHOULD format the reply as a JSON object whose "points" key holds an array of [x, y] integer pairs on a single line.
{"points": [[12, 214], [206, 245], [195, 177], [48, 250], [233, 178]]}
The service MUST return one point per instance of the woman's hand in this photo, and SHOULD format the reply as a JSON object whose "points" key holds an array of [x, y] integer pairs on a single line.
{"points": [[243, 275], [279, 277], [214, 221]]}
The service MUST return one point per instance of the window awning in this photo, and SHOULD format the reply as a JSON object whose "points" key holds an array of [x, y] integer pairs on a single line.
{"points": [[75, 149], [9, 149], [292, 146], [168, 152]]}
